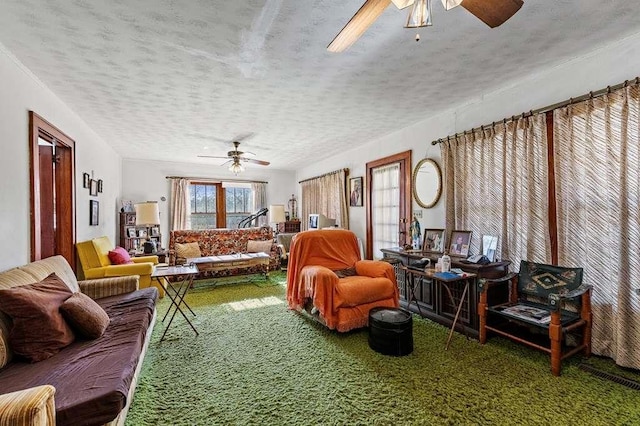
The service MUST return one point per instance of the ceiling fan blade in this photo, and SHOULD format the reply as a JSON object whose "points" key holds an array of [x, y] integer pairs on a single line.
{"points": [[401, 4], [358, 24], [493, 12], [213, 156], [243, 136], [251, 160]]}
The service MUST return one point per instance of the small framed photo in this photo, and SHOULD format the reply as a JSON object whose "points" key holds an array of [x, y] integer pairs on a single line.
{"points": [[433, 241], [131, 232], [490, 246], [355, 189], [94, 213], [100, 185], [93, 187], [459, 243], [86, 180], [142, 233], [155, 231]]}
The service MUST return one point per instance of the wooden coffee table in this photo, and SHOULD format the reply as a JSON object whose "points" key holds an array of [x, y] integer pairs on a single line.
{"points": [[231, 261]]}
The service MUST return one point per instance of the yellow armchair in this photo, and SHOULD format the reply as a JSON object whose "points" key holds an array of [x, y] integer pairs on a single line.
{"points": [[94, 260]]}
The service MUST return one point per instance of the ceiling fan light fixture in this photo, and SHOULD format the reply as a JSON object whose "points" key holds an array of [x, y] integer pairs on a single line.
{"points": [[450, 4], [236, 167], [420, 15]]}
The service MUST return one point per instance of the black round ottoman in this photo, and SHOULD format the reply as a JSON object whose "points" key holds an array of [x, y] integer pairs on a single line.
{"points": [[391, 331]]}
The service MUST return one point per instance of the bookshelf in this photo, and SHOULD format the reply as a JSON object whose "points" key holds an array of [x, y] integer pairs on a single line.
{"points": [[132, 237]]}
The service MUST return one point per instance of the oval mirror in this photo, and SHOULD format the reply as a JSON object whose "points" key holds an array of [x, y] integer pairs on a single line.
{"points": [[427, 183]]}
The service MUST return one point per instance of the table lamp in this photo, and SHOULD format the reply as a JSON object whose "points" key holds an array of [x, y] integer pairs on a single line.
{"points": [[148, 214], [276, 215]]}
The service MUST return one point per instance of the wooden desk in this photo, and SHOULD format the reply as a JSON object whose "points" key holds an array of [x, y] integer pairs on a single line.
{"points": [[431, 299]]}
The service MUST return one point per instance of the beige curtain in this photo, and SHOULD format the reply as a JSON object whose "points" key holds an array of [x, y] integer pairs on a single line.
{"points": [[180, 204], [326, 194], [597, 161], [496, 184], [259, 191]]}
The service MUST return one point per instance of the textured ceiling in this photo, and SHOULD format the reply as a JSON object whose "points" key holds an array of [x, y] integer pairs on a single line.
{"points": [[163, 79]]}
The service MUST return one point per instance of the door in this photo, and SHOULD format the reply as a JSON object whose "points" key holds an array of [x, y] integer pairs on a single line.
{"points": [[388, 203], [52, 191]]}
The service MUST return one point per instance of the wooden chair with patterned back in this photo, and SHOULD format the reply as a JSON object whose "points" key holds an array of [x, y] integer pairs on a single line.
{"points": [[548, 308]]}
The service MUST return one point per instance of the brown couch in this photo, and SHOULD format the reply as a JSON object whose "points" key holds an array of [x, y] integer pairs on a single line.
{"points": [[90, 382], [221, 241]]}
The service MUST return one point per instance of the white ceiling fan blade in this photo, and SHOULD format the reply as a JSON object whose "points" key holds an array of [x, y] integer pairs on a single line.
{"points": [[212, 156], [450, 4], [493, 12], [358, 24], [401, 4]]}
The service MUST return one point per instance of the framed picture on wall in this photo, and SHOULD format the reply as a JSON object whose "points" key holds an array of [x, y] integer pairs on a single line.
{"points": [[94, 212], [100, 185], [355, 189], [85, 180], [93, 187]]}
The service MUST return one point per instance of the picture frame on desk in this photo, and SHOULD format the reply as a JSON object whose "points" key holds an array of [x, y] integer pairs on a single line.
{"points": [[459, 243], [434, 241], [142, 233], [131, 232], [155, 232]]}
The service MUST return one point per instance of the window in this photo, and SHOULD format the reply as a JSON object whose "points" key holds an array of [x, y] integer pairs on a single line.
{"points": [[238, 205], [215, 206], [385, 206], [203, 205]]}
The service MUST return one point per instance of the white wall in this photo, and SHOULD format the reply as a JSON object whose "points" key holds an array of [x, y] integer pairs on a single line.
{"points": [[595, 70], [146, 181], [20, 92]]}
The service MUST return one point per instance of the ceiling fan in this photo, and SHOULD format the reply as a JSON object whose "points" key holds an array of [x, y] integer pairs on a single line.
{"points": [[236, 158], [492, 12]]}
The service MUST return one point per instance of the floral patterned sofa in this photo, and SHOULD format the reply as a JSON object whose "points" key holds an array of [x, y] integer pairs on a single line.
{"points": [[216, 242]]}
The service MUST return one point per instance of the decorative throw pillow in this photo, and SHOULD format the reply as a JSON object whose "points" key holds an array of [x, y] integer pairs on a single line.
{"points": [[348, 272], [119, 256], [259, 246], [85, 316], [185, 251], [39, 331]]}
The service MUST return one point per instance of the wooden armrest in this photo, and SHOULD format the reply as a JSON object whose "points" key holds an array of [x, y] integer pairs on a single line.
{"points": [[486, 283], [30, 407], [556, 300]]}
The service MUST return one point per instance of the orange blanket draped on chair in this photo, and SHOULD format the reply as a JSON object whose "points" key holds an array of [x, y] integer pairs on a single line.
{"points": [[342, 303]]}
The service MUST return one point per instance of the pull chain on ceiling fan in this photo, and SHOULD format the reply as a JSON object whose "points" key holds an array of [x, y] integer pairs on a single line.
{"points": [[492, 12]]}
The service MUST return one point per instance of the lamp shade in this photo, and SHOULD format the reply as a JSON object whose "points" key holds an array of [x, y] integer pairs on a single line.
{"points": [[276, 213], [147, 213]]}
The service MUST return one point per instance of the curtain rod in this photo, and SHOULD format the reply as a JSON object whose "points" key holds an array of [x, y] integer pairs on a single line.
{"points": [[203, 179], [346, 170], [547, 108]]}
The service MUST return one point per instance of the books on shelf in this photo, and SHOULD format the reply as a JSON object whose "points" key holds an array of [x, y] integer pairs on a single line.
{"points": [[529, 313]]}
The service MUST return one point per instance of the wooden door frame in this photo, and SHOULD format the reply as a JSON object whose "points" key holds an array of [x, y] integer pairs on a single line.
{"points": [[65, 190], [404, 158]]}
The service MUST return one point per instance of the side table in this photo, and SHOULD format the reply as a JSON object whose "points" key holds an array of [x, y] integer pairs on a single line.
{"points": [[444, 282], [182, 277]]}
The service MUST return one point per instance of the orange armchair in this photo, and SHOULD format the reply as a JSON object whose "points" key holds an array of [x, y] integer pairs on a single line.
{"points": [[327, 279], [95, 263]]}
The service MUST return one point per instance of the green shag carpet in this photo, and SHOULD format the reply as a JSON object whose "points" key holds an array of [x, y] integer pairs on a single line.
{"points": [[257, 363]]}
